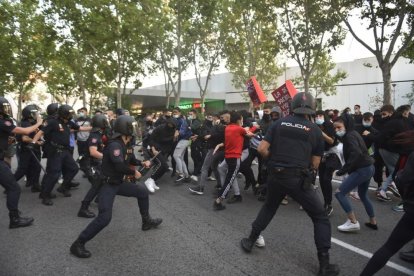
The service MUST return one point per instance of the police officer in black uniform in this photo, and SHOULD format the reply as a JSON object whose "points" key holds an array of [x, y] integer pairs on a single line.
{"points": [[96, 142], [28, 162], [59, 157], [115, 166], [294, 147], [7, 179]]}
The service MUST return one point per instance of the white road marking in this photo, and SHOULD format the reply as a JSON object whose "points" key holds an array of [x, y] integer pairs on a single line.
{"points": [[369, 255]]}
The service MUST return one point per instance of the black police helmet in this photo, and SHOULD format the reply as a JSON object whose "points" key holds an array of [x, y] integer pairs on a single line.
{"points": [[125, 125], [99, 122], [65, 112], [52, 109], [303, 103], [30, 112], [5, 107]]}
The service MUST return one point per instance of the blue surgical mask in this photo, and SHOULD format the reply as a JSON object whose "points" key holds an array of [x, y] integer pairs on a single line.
{"points": [[340, 133], [81, 114], [319, 121], [365, 124]]}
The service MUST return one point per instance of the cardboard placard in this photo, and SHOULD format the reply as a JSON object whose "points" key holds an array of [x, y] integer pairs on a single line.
{"points": [[283, 96], [255, 92]]}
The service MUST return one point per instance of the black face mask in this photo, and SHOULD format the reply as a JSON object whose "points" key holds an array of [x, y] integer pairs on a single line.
{"points": [[209, 123], [167, 116], [222, 122], [266, 117], [149, 123], [275, 118]]}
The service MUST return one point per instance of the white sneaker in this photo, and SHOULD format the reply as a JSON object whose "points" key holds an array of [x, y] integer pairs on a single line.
{"points": [[348, 226], [254, 162], [260, 242], [194, 177], [149, 183], [60, 181], [211, 178], [155, 185]]}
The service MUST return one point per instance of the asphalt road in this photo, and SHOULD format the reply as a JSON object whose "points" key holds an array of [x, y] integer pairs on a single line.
{"points": [[192, 240]]}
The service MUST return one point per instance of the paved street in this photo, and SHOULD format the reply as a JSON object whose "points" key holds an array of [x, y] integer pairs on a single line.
{"points": [[192, 240]]}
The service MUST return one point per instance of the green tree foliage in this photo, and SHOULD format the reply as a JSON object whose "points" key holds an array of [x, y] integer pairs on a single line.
{"points": [[251, 43], [392, 27], [27, 42], [309, 31], [322, 80]]}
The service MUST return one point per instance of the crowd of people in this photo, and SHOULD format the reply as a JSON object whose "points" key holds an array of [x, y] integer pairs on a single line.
{"points": [[291, 152]]}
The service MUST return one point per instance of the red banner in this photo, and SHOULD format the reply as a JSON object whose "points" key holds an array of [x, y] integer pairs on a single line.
{"points": [[255, 92], [283, 96]]}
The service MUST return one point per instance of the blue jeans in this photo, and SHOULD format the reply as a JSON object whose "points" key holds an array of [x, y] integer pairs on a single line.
{"points": [[359, 178]]}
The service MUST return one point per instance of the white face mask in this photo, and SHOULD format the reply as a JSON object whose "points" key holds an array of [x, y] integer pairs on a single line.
{"points": [[176, 116], [319, 121], [341, 133]]}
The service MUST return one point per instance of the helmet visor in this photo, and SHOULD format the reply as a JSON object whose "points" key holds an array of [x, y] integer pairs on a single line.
{"points": [[7, 110]]}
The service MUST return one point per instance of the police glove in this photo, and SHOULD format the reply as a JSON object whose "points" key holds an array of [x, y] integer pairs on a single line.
{"points": [[30, 146], [340, 172]]}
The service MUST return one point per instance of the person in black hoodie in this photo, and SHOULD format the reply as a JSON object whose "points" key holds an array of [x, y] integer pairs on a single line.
{"points": [[359, 166], [366, 130], [404, 230], [161, 143], [379, 163], [394, 123]]}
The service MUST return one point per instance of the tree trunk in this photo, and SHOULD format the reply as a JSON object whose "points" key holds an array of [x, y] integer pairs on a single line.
{"points": [[386, 77], [306, 84], [167, 103], [118, 95], [19, 105], [203, 99], [82, 90], [178, 95]]}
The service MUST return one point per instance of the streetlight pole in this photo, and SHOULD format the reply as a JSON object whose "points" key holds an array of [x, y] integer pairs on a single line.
{"points": [[393, 86]]}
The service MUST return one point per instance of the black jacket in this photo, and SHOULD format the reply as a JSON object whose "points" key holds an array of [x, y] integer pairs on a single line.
{"points": [[162, 138], [389, 128], [217, 136], [355, 152], [405, 184], [370, 138]]}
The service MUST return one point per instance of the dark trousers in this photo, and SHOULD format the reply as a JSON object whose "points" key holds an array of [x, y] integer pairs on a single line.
{"points": [[218, 157], [233, 165], [84, 160], [106, 200], [197, 156], [96, 182], [161, 166], [246, 170], [325, 180], [401, 235], [252, 155], [57, 163], [379, 168], [278, 185], [29, 166], [10, 185]]}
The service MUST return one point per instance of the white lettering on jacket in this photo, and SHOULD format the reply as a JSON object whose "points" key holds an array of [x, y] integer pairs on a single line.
{"points": [[305, 128]]}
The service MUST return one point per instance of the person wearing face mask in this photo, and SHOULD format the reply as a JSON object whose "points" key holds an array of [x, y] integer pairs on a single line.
{"points": [[59, 158], [366, 130], [115, 166], [330, 160], [275, 114], [359, 167], [266, 120], [197, 153], [357, 114], [82, 139]]}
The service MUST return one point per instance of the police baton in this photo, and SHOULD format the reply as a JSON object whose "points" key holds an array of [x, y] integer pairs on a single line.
{"points": [[38, 161], [151, 159]]}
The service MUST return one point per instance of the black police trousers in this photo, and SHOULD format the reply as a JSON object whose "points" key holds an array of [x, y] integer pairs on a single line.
{"points": [[197, 154], [96, 181], [84, 160], [106, 197], [12, 188], [278, 185], [29, 166], [59, 162]]}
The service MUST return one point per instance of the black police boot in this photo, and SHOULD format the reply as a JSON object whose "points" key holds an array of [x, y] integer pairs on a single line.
{"points": [[408, 256], [78, 249], [64, 190], [49, 195], [73, 184], [36, 188], [325, 268], [84, 211], [247, 243], [148, 222], [17, 221]]}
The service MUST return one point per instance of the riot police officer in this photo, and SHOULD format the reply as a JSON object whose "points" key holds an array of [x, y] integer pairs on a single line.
{"points": [[7, 179], [294, 147], [59, 157], [96, 141], [115, 166], [28, 162]]}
